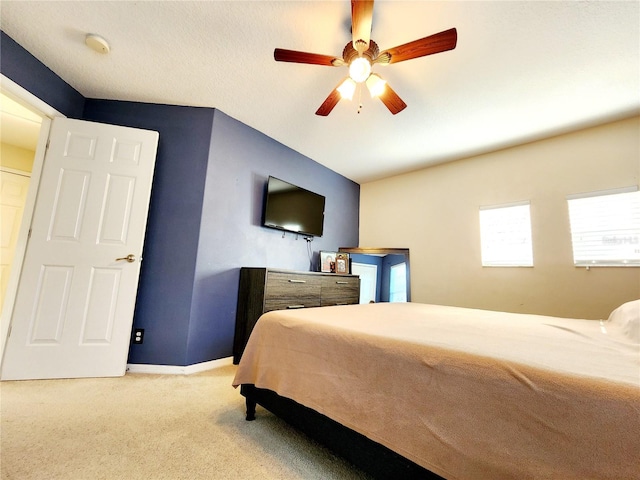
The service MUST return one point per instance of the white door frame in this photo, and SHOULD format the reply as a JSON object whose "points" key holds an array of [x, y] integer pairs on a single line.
{"points": [[47, 112]]}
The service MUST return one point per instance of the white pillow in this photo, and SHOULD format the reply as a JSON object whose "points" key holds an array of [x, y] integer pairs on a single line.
{"points": [[626, 320]]}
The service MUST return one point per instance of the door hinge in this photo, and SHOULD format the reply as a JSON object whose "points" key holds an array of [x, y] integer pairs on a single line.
{"points": [[29, 234]]}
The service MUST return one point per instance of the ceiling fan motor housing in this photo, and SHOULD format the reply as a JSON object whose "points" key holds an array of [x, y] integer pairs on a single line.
{"points": [[349, 53]]}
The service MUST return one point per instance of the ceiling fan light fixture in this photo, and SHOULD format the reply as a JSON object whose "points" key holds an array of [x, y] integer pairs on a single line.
{"points": [[347, 89], [359, 69], [376, 85]]}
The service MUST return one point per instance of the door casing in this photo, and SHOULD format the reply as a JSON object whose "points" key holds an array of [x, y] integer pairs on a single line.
{"points": [[47, 112]]}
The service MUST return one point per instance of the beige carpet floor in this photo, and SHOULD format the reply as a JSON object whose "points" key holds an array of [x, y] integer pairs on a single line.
{"points": [[150, 427]]}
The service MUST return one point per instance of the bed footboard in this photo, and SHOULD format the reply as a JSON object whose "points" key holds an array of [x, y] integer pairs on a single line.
{"points": [[369, 456]]}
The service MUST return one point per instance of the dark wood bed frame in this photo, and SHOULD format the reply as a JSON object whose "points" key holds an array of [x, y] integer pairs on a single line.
{"points": [[369, 456]]}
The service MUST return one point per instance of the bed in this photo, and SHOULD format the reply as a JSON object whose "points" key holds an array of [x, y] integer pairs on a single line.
{"points": [[455, 392]]}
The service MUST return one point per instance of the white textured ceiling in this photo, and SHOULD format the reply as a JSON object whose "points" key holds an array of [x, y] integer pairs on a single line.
{"points": [[521, 70]]}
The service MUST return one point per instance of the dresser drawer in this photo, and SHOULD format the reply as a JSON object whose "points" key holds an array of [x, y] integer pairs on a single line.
{"points": [[289, 290], [291, 303], [340, 290]]}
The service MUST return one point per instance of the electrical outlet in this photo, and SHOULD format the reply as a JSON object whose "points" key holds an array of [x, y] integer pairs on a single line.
{"points": [[138, 335]]}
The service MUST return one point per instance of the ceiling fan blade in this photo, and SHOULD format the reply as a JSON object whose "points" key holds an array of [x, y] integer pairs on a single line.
{"points": [[282, 55], [361, 18], [392, 101], [439, 42], [330, 102]]}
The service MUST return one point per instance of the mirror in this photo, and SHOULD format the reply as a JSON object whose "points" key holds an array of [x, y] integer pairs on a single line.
{"points": [[384, 273]]}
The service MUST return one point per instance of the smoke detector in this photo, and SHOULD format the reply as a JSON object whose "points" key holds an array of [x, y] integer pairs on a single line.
{"points": [[97, 43]]}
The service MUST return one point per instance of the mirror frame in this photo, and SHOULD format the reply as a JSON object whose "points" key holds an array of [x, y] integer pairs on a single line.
{"points": [[383, 251]]}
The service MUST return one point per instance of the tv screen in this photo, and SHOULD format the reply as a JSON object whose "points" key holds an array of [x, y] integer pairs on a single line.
{"points": [[294, 209]]}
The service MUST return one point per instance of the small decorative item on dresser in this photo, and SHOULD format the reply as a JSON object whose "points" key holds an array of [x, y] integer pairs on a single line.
{"points": [[328, 262], [342, 263]]}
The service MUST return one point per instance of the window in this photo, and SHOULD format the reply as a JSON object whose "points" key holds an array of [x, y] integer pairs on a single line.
{"points": [[505, 236], [398, 283], [605, 227]]}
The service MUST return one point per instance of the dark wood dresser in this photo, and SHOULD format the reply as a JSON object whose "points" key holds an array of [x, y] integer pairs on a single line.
{"points": [[264, 289]]}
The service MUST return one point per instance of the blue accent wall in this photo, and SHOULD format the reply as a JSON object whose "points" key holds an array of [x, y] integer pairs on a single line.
{"points": [[27, 71], [231, 235], [204, 224], [163, 306], [205, 213]]}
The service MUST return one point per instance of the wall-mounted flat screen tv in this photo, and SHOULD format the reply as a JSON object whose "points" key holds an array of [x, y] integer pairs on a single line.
{"points": [[293, 209]]}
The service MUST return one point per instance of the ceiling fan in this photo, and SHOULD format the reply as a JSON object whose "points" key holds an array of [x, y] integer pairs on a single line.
{"points": [[362, 53]]}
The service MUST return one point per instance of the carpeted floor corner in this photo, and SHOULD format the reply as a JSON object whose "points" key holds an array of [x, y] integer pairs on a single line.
{"points": [[150, 427]]}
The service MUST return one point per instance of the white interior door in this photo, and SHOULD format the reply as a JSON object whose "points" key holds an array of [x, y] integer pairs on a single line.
{"points": [[74, 307], [13, 193], [368, 280]]}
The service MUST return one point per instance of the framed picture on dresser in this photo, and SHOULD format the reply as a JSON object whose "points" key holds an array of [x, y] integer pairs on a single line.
{"points": [[342, 263], [328, 261]]}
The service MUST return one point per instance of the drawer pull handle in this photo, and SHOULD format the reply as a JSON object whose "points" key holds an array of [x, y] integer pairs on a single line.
{"points": [[341, 283], [295, 306], [342, 303], [297, 281]]}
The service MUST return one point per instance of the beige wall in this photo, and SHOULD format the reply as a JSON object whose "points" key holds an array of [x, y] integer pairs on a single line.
{"points": [[16, 157], [434, 212]]}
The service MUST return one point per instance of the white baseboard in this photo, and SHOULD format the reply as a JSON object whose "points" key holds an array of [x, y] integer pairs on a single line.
{"points": [[177, 369]]}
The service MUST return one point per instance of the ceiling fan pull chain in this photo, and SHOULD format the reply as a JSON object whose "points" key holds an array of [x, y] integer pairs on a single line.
{"points": [[359, 98]]}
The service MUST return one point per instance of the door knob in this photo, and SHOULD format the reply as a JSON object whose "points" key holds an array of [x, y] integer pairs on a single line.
{"points": [[129, 258]]}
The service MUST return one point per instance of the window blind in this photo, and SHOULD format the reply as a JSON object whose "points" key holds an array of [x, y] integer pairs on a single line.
{"points": [[605, 227], [505, 236]]}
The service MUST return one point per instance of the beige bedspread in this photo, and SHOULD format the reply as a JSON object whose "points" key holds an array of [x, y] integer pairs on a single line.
{"points": [[468, 394]]}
